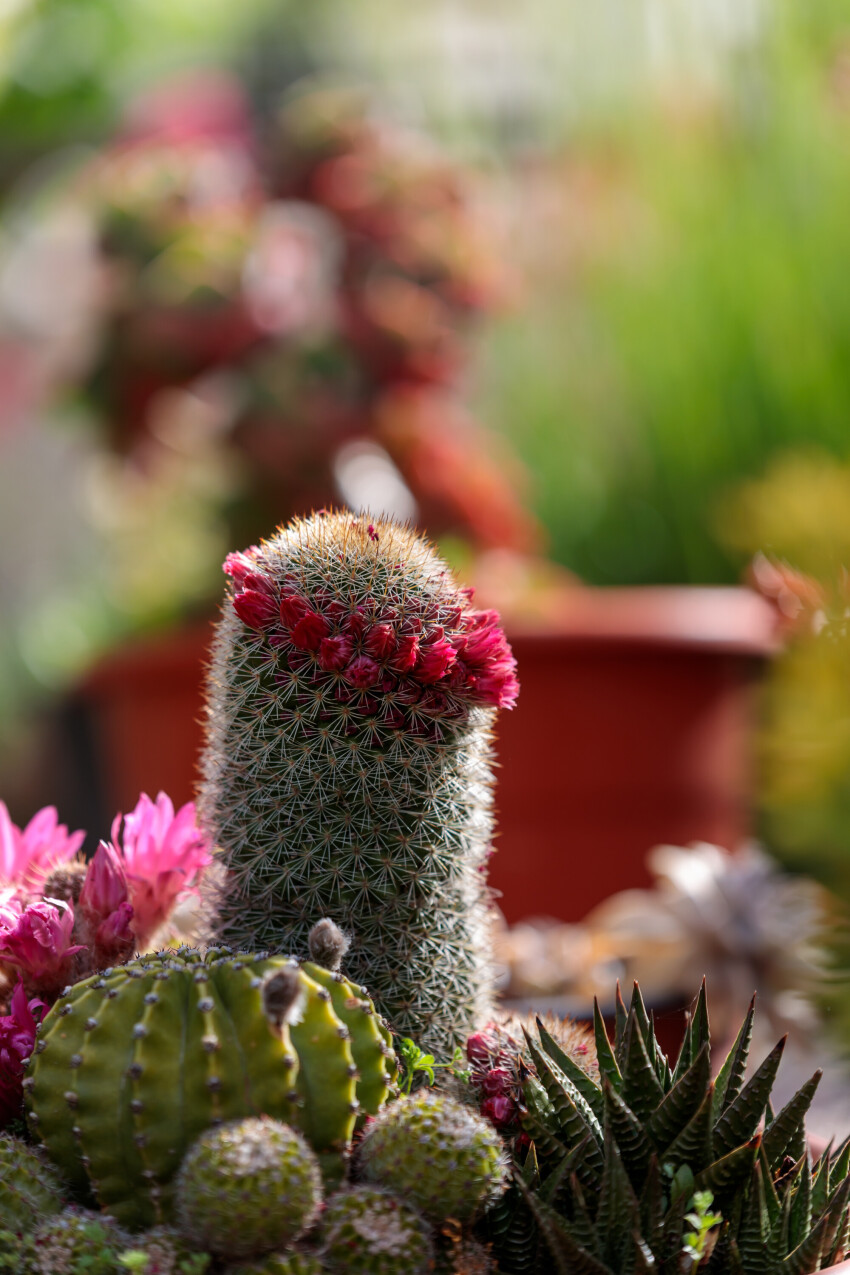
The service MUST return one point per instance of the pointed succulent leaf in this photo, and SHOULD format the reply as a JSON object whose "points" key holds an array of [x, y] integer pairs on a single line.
{"points": [[685, 1056], [801, 1204], [590, 1091], [510, 1226], [771, 1199], [754, 1227], [786, 1128], [841, 1162], [635, 1147], [559, 1179], [641, 1087], [836, 1213], [605, 1059], [728, 1174], [669, 1118], [637, 1008], [538, 1120], [821, 1175], [621, 1017], [574, 1118], [652, 1205], [568, 1256], [741, 1118], [643, 1262], [730, 1078], [618, 1212], [699, 1029], [806, 1257], [842, 1240], [694, 1144], [581, 1224], [779, 1240]]}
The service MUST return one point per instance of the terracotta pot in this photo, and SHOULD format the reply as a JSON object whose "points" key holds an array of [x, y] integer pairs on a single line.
{"points": [[634, 727]]}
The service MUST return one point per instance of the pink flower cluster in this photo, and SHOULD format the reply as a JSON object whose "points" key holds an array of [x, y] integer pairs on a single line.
{"points": [[17, 1039], [460, 651], [494, 1076], [128, 891]]}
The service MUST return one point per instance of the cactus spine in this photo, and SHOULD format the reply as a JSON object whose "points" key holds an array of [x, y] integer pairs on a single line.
{"points": [[132, 1065], [351, 700], [29, 1188]]}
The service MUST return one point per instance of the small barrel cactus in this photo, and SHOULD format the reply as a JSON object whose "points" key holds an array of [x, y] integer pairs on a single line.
{"points": [[247, 1187], [280, 1264], [437, 1152], [352, 696], [133, 1064], [369, 1230], [76, 1240], [165, 1253], [29, 1188]]}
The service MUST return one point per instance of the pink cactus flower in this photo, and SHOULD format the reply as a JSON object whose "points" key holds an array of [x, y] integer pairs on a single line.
{"points": [[164, 854], [380, 641], [362, 672], [292, 607], [406, 654], [257, 610], [500, 1111], [434, 661], [497, 1082], [240, 565], [308, 632], [27, 855], [106, 910], [38, 941], [17, 1040], [334, 653], [481, 1048]]}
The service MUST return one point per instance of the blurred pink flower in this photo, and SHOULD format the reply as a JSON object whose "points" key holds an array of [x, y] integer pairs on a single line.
{"points": [[105, 908], [38, 941], [17, 1039], [27, 855], [163, 855]]}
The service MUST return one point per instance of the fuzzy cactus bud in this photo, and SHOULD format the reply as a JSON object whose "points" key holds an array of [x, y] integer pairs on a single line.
{"points": [[347, 765], [327, 944]]}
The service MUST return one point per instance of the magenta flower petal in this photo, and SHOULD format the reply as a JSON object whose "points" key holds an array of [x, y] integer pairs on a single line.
{"points": [[28, 855]]}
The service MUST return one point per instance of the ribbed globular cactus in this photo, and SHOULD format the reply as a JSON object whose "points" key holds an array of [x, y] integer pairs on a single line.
{"points": [[369, 1231], [133, 1064], [29, 1187], [352, 695], [247, 1187], [438, 1153]]}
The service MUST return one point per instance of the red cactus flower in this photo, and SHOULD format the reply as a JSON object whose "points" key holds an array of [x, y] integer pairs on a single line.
{"points": [[363, 672], [255, 609], [497, 1082], [499, 1110], [292, 607], [434, 661], [307, 634], [334, 653], [406, 654]]}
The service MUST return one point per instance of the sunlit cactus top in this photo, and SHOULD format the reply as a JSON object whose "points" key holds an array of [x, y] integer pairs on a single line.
{"points": [[409, 657], [352, 693]]}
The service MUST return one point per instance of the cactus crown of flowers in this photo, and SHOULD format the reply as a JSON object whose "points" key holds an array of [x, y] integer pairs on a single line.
{"points": [[373, 635]]}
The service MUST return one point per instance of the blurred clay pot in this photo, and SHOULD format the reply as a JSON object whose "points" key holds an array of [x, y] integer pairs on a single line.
{"points": [[634, 727]]}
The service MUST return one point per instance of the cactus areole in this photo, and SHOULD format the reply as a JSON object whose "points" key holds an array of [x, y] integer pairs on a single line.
{"points": [[347, 771]]}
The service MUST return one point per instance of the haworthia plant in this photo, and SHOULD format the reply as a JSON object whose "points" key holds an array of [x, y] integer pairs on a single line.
{"points": [[352, 695], [660, 1169]]}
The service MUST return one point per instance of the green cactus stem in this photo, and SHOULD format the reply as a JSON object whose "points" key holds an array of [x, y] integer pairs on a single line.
{"points": [[133, 1064], [29, 1187], [347, 770]]}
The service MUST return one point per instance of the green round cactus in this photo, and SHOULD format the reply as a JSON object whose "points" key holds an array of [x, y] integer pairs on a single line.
{"points": [[29, 1188], [247, 1188], [133, 1064], [280, 1264], [76, 1240], [167, 1253], [437, 1152], [352, 696], [368, 1230]]}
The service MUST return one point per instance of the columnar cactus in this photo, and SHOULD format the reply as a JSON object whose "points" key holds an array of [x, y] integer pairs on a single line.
{"points": [[132, 1065], [352, 696], [246, 1188]]}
